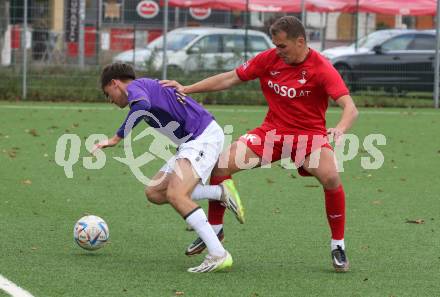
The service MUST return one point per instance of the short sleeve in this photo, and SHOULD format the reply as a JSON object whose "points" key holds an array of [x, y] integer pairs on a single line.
{"points": [[252, 69], [137, 92], [333, 83]]}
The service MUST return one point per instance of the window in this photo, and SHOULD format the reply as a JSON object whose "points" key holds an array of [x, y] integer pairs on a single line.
{"points": [[175, 41], [423, 42], [209, 44], [373, 39], [258, 44], [235, 43], [398, 43]]}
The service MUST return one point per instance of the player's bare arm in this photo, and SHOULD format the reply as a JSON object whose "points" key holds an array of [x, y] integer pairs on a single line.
{"points": [[106, 143], [217, 82], [348, 117]]}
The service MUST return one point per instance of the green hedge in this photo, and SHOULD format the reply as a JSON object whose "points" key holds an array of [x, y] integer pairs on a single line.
{"points": [[71, 84]]}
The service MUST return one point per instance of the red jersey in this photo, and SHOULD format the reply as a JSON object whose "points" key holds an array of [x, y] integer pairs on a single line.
{"points": [[297, 94]]}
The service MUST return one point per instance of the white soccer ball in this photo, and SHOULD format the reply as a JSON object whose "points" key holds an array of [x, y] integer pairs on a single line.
{"points": [[91, 232]]}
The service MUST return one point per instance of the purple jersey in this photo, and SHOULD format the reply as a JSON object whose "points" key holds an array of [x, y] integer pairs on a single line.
{"points": [[179, 117]]}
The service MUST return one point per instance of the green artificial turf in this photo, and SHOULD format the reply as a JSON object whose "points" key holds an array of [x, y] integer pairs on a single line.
{"points": [[282, 250]]}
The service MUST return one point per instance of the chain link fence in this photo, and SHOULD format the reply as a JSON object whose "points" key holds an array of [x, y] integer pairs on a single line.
{"points": [[67, 44]]}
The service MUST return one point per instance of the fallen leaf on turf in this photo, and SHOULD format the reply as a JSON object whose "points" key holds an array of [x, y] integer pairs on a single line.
{"points": [[33, 132], [380, 190], [12, 154], [417, 221], [365, 279], [27, 182], [179, 293], [276, 210], [34, 248], [377, 202], [75, 125], [403, 179], [270, 181]]}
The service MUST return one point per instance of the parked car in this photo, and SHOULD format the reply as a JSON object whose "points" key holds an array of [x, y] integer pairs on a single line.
{"points": [[394, 60], [198, 48]]}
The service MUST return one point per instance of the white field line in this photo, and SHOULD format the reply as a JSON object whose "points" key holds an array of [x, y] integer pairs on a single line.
{"points": [[12, 289], [214, 109]]}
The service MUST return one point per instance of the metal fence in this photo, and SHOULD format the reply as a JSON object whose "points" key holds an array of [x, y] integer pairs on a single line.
{"points": [[55, 49]]}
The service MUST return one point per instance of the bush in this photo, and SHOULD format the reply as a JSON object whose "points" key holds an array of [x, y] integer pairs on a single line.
{"points": [[56, 83]]}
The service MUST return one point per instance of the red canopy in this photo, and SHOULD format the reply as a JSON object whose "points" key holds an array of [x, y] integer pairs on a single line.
{"points": [[403, 7], [254, 5], [330, 5], [394, 7]]}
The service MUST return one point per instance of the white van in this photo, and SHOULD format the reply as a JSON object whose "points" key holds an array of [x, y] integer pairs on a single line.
{"points": [[198, 48]]}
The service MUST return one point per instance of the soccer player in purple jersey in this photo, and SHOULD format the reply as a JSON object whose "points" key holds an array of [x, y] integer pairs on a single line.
{"points": [[200, 141]]}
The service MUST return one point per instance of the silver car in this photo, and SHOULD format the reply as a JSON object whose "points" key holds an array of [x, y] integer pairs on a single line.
{"points": [[198, 48]]}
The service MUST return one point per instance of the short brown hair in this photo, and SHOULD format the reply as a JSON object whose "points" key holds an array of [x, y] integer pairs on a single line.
{"points": [[122, 71], [289, 24]]}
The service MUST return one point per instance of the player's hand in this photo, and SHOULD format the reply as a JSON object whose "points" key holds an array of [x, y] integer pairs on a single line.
{"points": [[335, 134], [106, 143], [172, 83]]}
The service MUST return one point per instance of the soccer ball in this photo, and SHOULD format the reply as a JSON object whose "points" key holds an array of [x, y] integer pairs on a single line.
{"points": [[91, 232]]}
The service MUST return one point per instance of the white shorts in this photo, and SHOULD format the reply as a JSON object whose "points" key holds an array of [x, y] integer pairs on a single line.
{"points": [[202, 152]]}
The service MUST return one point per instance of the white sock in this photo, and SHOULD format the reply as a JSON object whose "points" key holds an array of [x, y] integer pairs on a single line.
{"points": [[334, 244], [217, 228], [206, 192], [197, 219]]}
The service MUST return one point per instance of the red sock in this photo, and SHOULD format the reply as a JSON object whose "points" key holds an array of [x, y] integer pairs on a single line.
{"points": [[335, 208], [216, 210]]}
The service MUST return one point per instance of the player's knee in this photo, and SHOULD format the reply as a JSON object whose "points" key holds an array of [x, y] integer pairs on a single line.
{"points": [[154, 196], [331, 181]]}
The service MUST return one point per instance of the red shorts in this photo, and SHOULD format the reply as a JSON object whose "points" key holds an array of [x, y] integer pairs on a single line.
{"points": [[271, 145]]}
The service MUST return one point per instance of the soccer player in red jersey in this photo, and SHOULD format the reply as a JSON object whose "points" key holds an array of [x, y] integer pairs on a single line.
{"points": [[296, 82]]}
